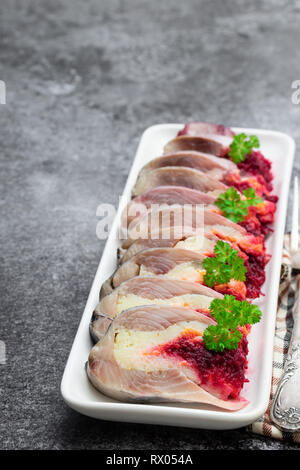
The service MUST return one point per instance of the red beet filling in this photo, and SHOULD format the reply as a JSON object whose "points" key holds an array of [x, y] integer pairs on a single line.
{"points": [[220, 373], [256, 164], [255, 276], [253, 225]]}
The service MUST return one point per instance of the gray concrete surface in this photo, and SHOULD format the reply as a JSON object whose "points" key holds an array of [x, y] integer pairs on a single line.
{"points": [[84, 79]]}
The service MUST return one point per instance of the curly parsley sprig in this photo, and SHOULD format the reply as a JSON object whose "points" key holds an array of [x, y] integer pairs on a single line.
{"points": [[229, 314], [217, 338], [241, 146], [224, 266], [233, 206]]}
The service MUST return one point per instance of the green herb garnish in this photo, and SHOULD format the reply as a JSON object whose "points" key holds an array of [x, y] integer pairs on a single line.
{"points": [[242, 146], [224, 266], [229, 314], [233, 206], [217, 338]]}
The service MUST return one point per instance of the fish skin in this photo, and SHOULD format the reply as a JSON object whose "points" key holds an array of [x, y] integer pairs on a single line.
{"points": [[99, 323], [171, 385], [106, 288]]}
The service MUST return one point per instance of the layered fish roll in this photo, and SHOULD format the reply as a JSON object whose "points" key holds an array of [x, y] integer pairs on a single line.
{"points": [[170, 263], [149, 290], [188, 241], [156, 353]]}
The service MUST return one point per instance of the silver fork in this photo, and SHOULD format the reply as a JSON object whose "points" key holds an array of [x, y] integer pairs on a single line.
{"points": [[285, 410]]}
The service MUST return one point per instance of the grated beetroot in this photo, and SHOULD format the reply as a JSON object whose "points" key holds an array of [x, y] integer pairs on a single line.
{"points": [[256, 227], [256, 164], [221, 373], [271, 198], [252, 223], [255, 276]]}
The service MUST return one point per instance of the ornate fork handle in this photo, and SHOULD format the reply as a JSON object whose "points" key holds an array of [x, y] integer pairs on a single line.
{"points": [[285, 416]]}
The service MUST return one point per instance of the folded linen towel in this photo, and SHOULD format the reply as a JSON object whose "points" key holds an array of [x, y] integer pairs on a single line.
{"points": [[287, 300]]}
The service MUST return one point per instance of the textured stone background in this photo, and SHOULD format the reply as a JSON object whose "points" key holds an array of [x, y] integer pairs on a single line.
{"points": [[84, 79]]}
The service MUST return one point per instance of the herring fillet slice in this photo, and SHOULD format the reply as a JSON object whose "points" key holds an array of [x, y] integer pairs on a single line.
{"points": [[178, 219], [210, 164], [152, 288], [177, 176], [205, 128], [138, 206], [202, 137], [150, 380], [153, 221], [146, 290], [212, 144], [159, 241], [162, 239], [155, 261]]}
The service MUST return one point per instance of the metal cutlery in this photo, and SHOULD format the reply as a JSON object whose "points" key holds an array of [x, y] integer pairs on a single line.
{"points": [[285, 410]]}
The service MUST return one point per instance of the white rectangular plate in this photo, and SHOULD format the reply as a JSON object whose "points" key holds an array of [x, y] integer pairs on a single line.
{"points": [[80, 395]]}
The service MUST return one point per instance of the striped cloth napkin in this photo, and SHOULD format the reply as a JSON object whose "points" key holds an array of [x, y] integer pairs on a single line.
{"points": [[288, 291]]}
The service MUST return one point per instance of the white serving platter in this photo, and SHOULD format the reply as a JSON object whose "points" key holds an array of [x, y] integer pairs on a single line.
{"points": [[76, 389]]}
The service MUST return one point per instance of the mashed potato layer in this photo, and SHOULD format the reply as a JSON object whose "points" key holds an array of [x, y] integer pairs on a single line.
{"points": [[196, 244], [195, 301], [132, 348], [190, 271]]}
